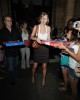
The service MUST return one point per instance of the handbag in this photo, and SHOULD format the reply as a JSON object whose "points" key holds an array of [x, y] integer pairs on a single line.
{"points": [[77, 68], [35, 44]]}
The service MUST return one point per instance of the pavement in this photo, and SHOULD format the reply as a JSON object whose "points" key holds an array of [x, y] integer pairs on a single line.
{"points": [[25, 90]]}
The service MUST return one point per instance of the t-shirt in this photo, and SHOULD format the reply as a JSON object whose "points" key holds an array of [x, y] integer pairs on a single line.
{"points": [[5, 36], [73, 62]]}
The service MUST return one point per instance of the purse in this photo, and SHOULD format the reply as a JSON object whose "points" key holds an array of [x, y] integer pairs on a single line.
{"points": [[35, 44]]}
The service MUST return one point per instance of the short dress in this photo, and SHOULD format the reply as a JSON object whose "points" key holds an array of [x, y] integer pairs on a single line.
{"points": [[41, 54]]}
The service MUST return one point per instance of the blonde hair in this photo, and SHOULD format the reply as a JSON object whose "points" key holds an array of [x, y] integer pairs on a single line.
{"points": [[41, 15]]}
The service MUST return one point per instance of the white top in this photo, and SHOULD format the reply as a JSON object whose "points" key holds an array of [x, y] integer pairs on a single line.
{"points": [[73, 62], [25, 36], [43, 36]]}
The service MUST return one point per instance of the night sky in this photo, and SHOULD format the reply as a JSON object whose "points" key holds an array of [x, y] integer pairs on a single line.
{"points": [[26, 9]]}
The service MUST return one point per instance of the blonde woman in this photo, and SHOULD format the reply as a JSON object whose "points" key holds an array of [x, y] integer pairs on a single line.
{"points": [[41, 54]]}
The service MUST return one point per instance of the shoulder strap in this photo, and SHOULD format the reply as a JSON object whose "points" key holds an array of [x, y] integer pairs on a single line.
{"points": [[46, 29], [37, 26]]}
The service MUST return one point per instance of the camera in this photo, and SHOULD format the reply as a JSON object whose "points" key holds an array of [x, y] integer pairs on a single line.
{"points": [[76, 24]]}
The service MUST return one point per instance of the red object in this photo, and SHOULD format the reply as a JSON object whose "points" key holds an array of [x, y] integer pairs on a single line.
{"points": [[54, 43], [35, 44], [27, 43]]}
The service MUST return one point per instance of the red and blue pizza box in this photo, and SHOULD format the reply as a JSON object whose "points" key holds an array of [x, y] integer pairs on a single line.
{"points": [[14, 43]]}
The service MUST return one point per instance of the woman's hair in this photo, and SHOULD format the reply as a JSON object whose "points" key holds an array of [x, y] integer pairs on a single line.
{"points": [[73, 34], [70, 20], [41, 15], [23, 23]]}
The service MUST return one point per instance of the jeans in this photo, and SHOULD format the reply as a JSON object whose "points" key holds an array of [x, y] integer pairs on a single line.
{"points": [[11, 66], [72, 74]]}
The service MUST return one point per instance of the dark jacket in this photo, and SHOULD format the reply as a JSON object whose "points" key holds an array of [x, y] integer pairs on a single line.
{"points": [[5, 36]]}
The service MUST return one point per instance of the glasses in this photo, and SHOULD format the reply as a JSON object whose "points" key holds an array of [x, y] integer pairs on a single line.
{"points": [[8, 20]]}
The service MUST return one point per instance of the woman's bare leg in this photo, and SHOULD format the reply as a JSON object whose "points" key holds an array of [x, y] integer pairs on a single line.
{"points": [[44, 65], [74, 88], [33, 71], [65, 76]]}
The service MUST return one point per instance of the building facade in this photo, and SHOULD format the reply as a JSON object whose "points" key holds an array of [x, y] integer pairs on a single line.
{"points": [[5, 9], [61, 10]]}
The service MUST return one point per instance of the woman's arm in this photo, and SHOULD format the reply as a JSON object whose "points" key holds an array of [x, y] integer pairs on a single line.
{"points": [[32, 37], [71, 53]]}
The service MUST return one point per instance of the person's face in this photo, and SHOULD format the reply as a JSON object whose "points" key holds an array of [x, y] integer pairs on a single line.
{"points": [[44, 19], [8, 22], [69, 35], [17, 24], [25, 26]]}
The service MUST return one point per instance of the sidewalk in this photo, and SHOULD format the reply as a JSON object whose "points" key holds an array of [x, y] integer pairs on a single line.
{"points": [[24, 90]]}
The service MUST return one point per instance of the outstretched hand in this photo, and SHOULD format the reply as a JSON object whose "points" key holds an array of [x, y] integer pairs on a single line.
{"points": [[62, 46]]}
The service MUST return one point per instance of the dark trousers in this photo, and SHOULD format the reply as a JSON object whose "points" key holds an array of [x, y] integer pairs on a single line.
{"points": [[11, 66]]}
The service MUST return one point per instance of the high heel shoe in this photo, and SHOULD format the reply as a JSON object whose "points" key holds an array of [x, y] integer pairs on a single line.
{"points": [[43, 83], [62, 89]]}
